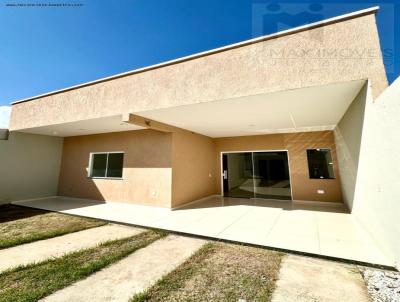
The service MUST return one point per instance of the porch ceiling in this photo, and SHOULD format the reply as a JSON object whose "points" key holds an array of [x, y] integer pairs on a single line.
{"points": [[297, 110], [85, 127]]}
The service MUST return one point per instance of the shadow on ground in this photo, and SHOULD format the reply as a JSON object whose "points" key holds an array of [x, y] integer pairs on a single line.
{"points": [[10, 212]]}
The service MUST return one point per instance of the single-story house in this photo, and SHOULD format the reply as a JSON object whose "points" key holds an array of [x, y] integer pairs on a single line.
{"points": [[285, 116]]}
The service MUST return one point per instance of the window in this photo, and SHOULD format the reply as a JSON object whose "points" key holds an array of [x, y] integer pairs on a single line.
{"points": [[320, 163], [106, 165]]}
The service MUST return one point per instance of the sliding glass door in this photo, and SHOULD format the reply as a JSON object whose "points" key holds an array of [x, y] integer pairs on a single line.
{"points": [[256, 175], [271, 175]]}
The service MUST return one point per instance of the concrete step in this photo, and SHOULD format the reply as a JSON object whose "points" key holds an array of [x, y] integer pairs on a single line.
{"points": [[131, 275], [55, 247], [305, 279]]}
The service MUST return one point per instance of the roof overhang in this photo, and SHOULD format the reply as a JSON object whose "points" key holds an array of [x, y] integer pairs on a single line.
{"points": [[297, 110], [85, 127]]}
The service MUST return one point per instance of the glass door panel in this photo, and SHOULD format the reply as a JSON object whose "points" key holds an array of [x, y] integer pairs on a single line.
{"points": [[237, 172], [271, 175]]}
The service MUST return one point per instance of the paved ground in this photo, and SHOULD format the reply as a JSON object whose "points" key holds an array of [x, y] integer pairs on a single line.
{"points": [[132, 274], [41, 250], [301, 279], [304, 279], [322, 230]]}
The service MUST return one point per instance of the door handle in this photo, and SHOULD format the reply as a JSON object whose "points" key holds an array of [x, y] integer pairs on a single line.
{"points": [[225, 174]]}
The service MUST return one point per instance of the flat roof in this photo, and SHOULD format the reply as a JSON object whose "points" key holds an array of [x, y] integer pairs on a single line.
{"points": [[213, 51]]}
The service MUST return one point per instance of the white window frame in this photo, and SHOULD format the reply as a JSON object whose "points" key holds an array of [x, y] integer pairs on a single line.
{"points": [[91, 155]]}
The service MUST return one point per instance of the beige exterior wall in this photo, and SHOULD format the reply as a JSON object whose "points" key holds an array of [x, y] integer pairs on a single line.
{"points": [[377, 195], [172, 169], [193, 167], [160, 169], [147, 173], [29, 166], [348, 140], [303, 188], [328, 54]]}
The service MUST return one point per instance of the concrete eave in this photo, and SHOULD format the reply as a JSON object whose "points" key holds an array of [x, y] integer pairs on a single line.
{"points": [[360, 13]]}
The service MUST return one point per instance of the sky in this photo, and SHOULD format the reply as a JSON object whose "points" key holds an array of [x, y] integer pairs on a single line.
{"points": [[45, 48]]}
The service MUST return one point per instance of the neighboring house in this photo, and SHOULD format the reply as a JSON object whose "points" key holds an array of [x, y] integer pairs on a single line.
{"points": [[279, 117]]}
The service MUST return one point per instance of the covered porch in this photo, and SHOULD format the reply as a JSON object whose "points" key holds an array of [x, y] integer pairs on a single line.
{"points": [[313, 228], [257, 146]]}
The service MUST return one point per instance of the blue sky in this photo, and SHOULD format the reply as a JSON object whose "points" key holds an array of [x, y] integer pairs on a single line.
{"points": [[48, 48]]}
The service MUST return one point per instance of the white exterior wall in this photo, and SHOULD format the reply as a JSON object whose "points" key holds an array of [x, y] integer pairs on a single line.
{"points": [[29, 166], [377, 195], [348, 140]]}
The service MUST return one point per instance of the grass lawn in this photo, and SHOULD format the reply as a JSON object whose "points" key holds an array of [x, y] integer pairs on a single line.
{"points": [[20, 225], [219, 272], [33, 282]]}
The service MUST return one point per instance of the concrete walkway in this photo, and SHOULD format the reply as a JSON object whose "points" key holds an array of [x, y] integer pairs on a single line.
{"points": [[311, 228], [132, 274], [54, 247], [304, 279]]}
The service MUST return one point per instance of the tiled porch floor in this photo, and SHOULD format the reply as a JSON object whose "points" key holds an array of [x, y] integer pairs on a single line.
{"points": [[322, 230]]}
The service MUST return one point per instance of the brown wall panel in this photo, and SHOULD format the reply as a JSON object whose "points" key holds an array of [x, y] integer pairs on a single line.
{"points": [[147, 172], [303, 188]]}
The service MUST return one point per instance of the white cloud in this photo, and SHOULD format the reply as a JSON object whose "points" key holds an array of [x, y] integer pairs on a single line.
{"points": [[5, 112]]}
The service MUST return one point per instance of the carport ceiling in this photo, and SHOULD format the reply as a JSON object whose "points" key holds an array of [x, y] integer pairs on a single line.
{"points": [[305, 109]]}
